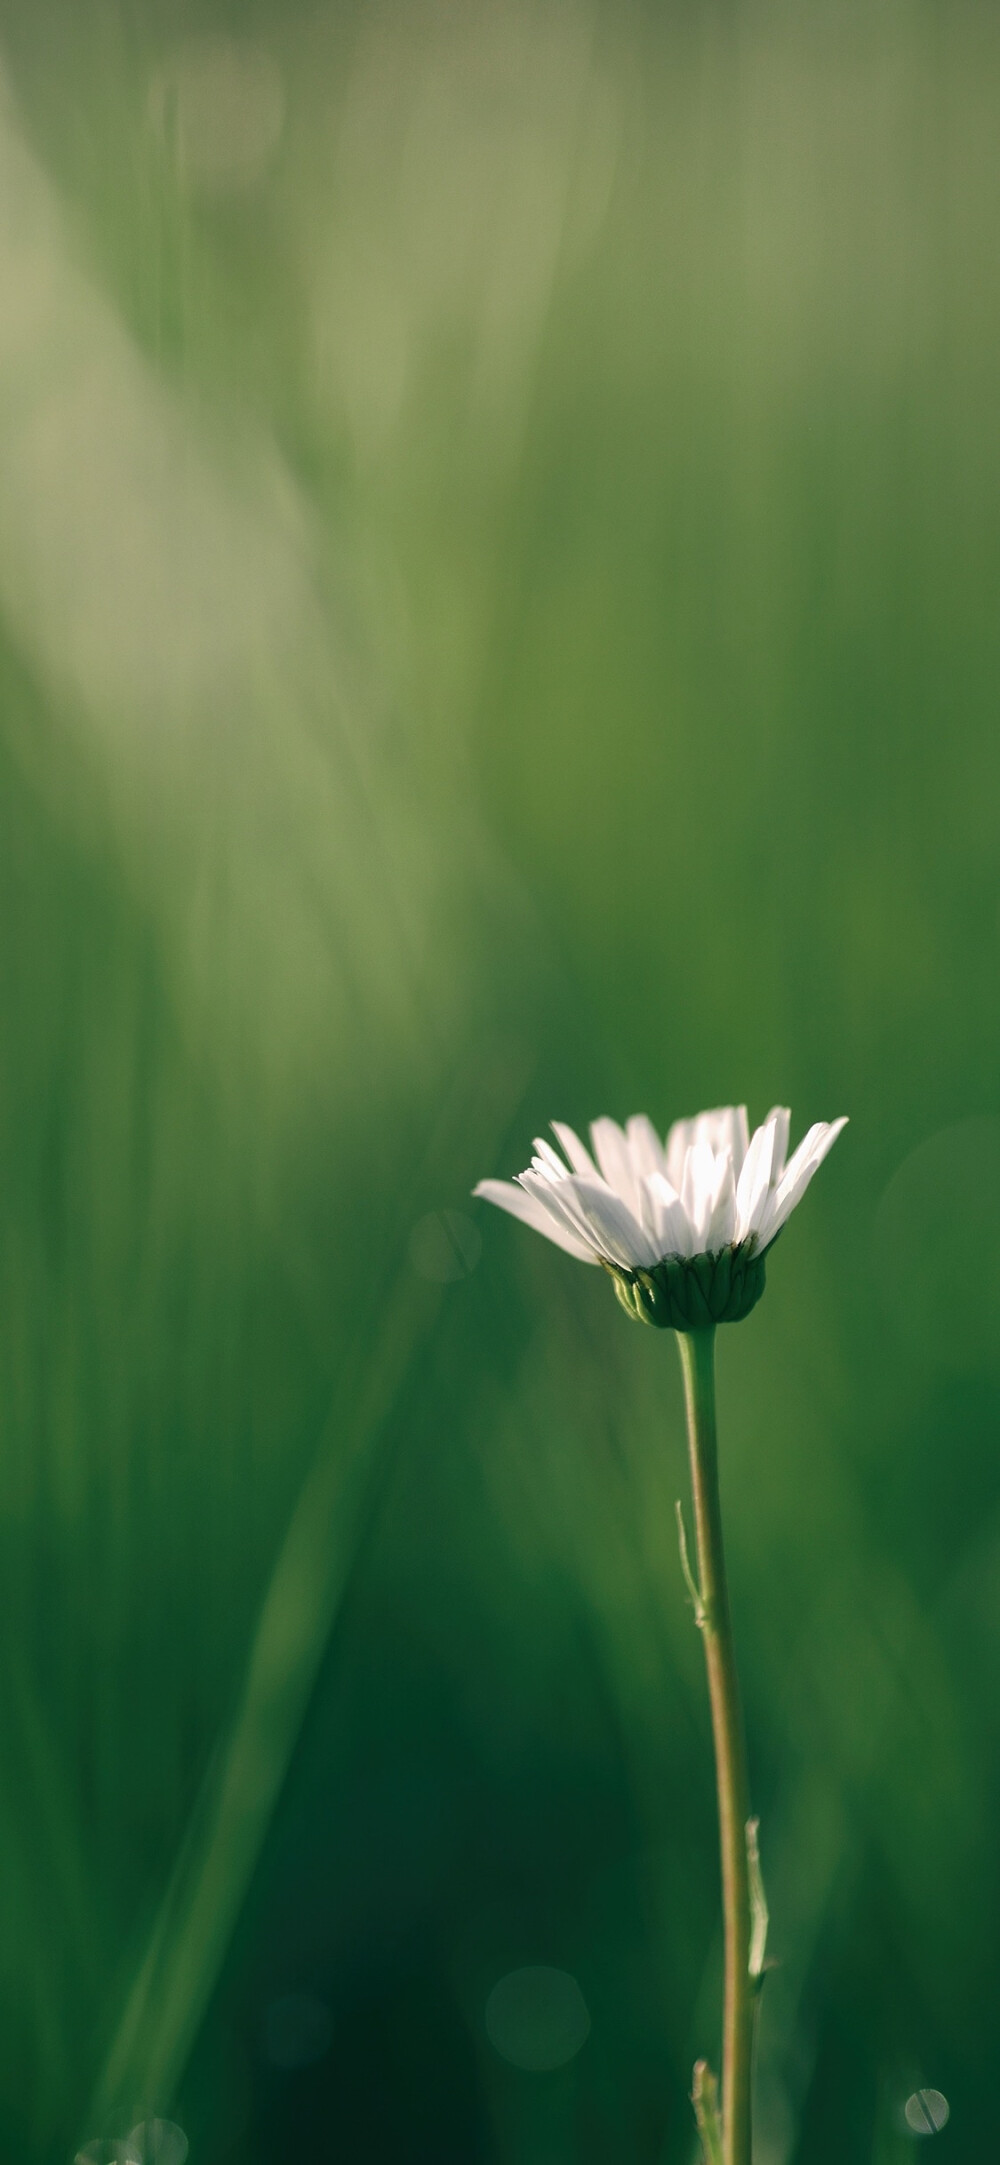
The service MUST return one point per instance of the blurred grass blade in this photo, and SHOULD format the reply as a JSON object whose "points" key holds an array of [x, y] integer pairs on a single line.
{"points": [[193, 1926]]}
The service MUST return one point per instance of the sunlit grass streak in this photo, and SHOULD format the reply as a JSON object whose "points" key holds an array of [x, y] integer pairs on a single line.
{"points": [[195, 1920], [697, 1352]]}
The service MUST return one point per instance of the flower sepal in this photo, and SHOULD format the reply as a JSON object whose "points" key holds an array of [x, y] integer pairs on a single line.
{"points": [[692, 1293]]}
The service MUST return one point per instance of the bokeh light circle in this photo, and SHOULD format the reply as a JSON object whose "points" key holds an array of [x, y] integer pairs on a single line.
{"points": [[926, 2112], [537, 2018], [159, 2142], [109, 2150]]}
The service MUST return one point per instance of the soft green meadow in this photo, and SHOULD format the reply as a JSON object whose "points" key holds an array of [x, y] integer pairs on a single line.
{"points": [[499, 569]]}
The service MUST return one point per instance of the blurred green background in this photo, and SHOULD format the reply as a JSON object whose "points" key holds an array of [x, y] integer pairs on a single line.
{"points": [[499, 562]]}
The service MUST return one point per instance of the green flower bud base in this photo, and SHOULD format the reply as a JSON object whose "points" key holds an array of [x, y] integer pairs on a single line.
{"points": [[692, 1294]]}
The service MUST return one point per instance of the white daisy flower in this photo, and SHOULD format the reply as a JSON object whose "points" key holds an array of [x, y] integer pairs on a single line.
{"points": [[682, 1226]]}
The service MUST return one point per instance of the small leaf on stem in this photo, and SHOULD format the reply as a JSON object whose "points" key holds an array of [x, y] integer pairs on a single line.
{"points": [[705, 2099], [759, 1917]]}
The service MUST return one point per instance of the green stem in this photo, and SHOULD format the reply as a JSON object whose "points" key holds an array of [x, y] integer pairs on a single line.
{"points": [[697, 1352]]}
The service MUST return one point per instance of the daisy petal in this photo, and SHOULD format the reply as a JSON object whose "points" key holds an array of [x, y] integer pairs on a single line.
{"points": [[679, 1142], [549, 1158], [782, 1119], [810, 1153], [594, 1213], [673, 1233], [645, 1148], [755, 1179], [615, 1160], [724, 1129], [721, 1224], [804, 1162], [533, 1213], [698, 1189], [558, 1199], [577, 1153]]}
